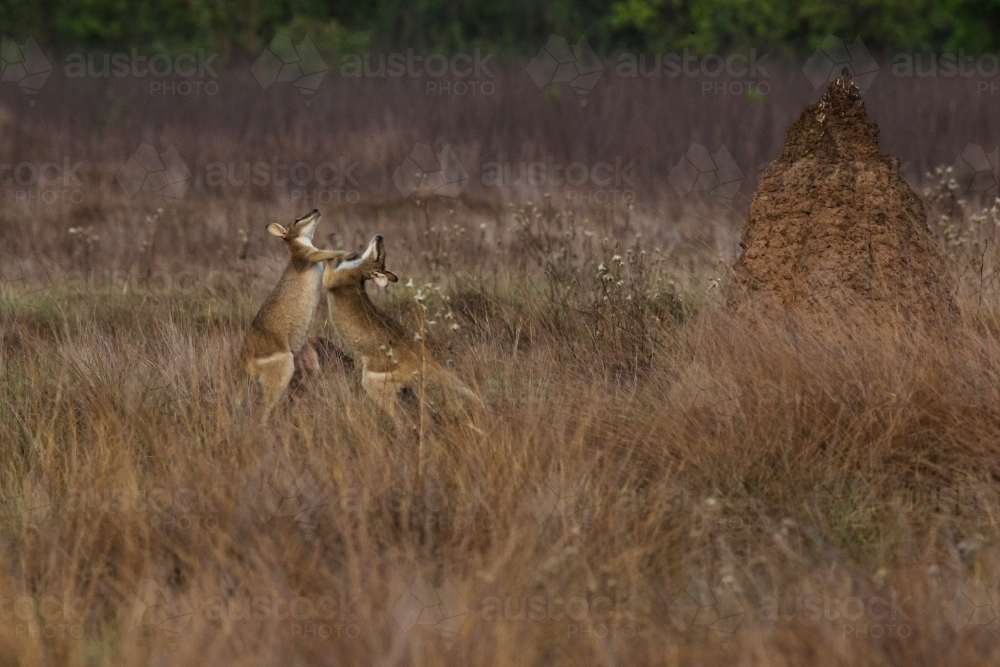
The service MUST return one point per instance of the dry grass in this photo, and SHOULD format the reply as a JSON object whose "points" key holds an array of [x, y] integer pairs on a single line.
{"points": [[827, 498]]}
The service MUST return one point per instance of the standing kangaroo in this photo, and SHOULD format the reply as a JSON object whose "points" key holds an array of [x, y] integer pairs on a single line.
{"points": [[391, 361], [280, 328]]}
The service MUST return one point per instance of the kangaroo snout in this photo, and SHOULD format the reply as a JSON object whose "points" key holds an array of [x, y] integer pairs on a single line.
{"points": [[309, 216], [302, 228]]}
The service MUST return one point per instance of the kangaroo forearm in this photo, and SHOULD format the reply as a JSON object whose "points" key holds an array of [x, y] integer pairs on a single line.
{"points": [[324, 255]]}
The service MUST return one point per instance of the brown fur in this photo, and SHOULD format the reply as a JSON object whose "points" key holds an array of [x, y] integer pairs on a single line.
{"points": [[391, 360], [319, 356], [280, 328]]}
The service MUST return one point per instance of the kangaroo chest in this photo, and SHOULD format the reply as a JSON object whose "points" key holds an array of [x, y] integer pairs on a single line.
{"points": [[365, 332], [302, 297]]}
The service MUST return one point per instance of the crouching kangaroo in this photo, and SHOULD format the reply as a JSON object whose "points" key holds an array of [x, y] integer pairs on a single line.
{"points": [[391, 361], [280, 328]]}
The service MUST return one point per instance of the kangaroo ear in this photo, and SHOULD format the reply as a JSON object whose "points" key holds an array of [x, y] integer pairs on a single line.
{"points": [[391, 276], [277, 230], [380, 279]]}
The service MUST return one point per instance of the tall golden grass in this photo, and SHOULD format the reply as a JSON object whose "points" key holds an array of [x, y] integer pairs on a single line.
{"points": [[655, 481]]}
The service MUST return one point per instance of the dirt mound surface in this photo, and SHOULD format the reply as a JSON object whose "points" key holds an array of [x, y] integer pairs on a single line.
{"points": [[834, 228]]}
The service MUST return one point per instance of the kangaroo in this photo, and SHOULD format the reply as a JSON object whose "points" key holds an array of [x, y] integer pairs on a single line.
{"points": [[391, 361], [317, 356], [280, 328]]}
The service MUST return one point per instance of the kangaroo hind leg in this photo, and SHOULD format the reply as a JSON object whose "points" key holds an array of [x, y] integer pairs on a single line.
{"points": [[273, 373]]}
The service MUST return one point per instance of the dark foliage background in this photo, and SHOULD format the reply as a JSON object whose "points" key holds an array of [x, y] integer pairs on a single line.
{"points": [[235, 27]]}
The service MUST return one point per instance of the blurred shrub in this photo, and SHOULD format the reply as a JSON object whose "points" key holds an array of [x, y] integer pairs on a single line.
{"points": [[510, 26]]}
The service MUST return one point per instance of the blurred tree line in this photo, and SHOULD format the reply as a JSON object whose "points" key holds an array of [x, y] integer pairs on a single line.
{"points": [[237, 28]]}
